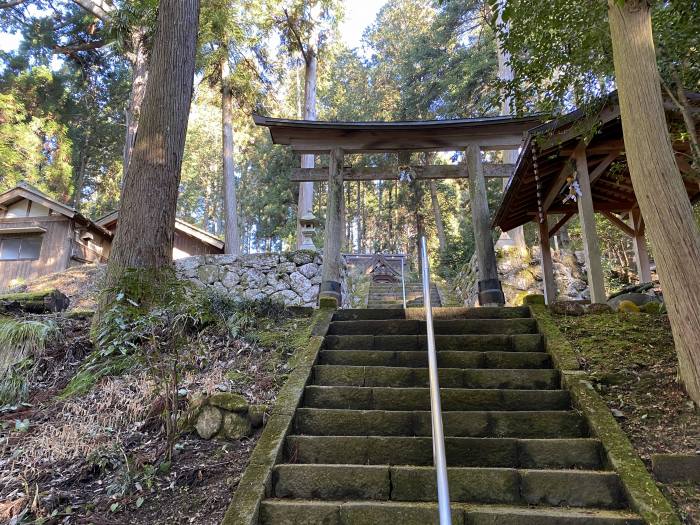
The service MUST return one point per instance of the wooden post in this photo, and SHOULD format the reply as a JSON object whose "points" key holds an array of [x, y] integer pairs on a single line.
{"points": [[641, 255], [490, 292], [586, 215], [330, 290], [550, 290]]}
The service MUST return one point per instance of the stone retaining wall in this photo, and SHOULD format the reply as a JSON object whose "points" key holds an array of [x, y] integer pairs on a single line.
{"points": [[292, 278]]}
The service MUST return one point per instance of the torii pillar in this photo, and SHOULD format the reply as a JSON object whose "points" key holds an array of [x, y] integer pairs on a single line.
{"points": [[490, 291], [330, 294]]}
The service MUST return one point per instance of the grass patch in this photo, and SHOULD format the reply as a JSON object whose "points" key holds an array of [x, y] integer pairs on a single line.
{"points": [[22, 343]]}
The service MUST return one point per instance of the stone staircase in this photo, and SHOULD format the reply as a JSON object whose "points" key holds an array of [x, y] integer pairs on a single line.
{"points": [[390, 295], [360, 452]]}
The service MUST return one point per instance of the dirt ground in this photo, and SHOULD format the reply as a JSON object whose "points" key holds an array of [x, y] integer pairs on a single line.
{"points": [[100, 457], [633, 360]]}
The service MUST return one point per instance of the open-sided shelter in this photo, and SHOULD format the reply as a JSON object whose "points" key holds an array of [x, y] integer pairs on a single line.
{"points": [[587, 149]]}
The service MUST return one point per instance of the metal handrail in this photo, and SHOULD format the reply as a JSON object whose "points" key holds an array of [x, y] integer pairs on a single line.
{"points": [[403, 283], [435, 408]]}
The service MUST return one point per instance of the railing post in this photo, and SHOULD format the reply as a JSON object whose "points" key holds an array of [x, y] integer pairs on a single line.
{"points": [[435, 408], [403, 283]]}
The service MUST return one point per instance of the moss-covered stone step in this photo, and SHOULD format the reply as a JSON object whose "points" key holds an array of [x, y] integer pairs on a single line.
{"points": [[460, 452], [387, 376], [560, 488], [368, 314], [442, 327], [523, 424], [457, 343], [392, 398], [487, 360], [308, 512]]}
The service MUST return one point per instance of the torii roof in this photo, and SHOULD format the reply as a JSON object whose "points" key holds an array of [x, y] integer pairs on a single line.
{"points": [[311, 136]]}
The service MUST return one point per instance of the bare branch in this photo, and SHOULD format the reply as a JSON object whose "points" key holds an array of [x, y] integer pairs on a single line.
{"points": [[11, 3], [102, 9], [296, 36], [78, 46]]}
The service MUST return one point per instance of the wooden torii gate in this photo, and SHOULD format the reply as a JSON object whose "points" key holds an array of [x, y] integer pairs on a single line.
{"points": [[336, 139]]}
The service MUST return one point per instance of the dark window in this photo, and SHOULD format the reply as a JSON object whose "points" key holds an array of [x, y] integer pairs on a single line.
{"points": [[20, 248]]}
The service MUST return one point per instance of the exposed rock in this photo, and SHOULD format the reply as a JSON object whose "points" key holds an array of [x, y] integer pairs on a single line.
{"points": [[286, 267], [208, 422], [299, 283], [208, 273], [308, 270], [303, 257], [256, 415], [567, 308], [253, 278], [235, 426], [231, 279], [639, 299], [229, 401]]}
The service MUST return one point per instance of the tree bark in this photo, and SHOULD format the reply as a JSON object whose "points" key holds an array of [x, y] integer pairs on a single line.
{"points": [[306, 189], [657, 183], [330, 290], [144, 239], [138, 56], [231, 236]]}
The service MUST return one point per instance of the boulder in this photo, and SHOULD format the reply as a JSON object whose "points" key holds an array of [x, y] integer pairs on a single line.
{"points": [[308, 270], [256, 415], [567, 308], [208, 422], [599, 308], [229, 401], [299, 283], [638, 299], [302, 257], [230, 279], [208, 273], [253, 278], [235, 426]]}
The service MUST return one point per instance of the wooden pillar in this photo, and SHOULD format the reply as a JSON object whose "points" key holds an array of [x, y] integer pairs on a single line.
{"points": [[490, 292], [586, 215], [550, 290], [641, 255], [330, 290]]}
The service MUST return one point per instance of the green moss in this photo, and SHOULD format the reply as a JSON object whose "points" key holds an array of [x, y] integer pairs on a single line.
{"points": [[557, 345], [533, 299], [79, 314], [88, 377], [628, 307], [651, 308], [37, 295]]}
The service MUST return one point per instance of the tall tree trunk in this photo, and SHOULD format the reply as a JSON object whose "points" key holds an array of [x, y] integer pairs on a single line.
{"points": [[80, 175], [358, 216], [657, 183], [439, 226], [144, 238], [306, 189], [138, 57], [231, 237]]}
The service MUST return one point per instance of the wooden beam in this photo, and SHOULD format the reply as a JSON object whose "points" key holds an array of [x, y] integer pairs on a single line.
{"points": [[491, 170], [550, 289], [557, 185], [611, 146], [641, 255], [615, 220], [586, 215], [600, 168], [558, 226], [330, 289]]}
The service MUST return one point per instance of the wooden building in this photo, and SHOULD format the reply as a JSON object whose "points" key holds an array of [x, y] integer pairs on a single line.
{"points": [[588, 150], [39, 235], [189, 240]]}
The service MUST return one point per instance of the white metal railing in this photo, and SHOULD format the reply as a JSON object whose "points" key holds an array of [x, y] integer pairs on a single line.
{"points": [[403, 282], [435, 408]]}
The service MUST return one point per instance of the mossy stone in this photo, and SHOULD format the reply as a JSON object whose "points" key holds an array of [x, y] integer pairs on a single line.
{"points": [[628, 307], [652, 308], [533, 299], [256, 415], [208, 422], [229, 401], [235, 426]]}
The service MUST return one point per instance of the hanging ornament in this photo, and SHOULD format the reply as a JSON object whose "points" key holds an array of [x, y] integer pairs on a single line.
{"points": [[406, 174], [574, 189]]}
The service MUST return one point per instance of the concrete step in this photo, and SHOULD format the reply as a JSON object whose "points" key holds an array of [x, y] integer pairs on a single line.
{"points": [[460, 452], [383, 398], [452, 327], [570, 488], [446, 359], [316, 512], [368, 376], [472, 342], [367, 314], [522, 424]]}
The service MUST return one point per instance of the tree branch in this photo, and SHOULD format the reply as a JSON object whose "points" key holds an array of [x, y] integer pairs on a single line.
{"points": [[78, 46], [102, 9], [296, 36], [11, 3]]}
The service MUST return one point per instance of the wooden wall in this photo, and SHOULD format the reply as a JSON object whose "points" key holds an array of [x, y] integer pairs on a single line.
{"points": [[186, 246], [55, 249]]}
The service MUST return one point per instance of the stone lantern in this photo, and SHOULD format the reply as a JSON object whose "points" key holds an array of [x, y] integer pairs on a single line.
{"points": [[308, 223]]}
